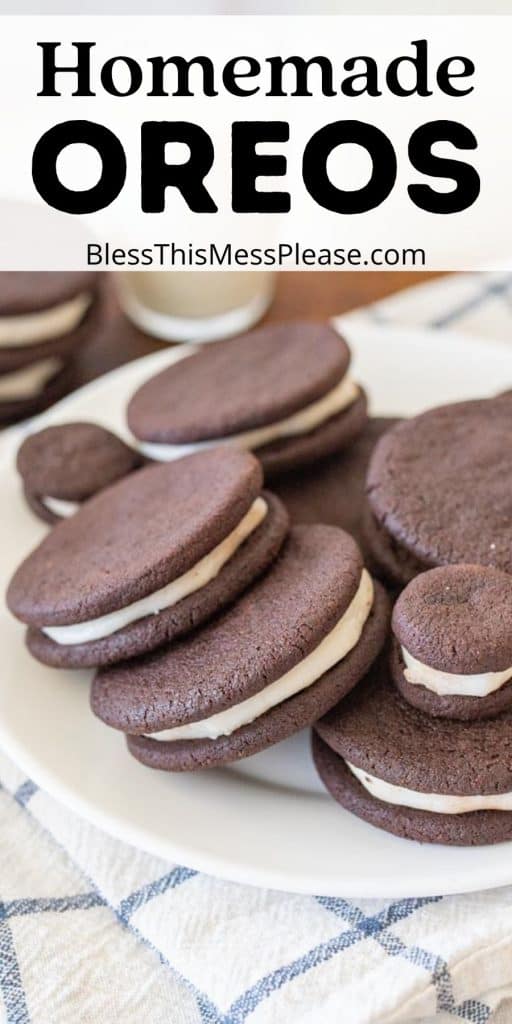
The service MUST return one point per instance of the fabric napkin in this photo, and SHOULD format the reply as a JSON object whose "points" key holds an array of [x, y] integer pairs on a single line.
{"points": [[92, 930]]}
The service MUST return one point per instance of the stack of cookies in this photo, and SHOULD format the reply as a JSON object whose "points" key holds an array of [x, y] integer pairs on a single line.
{"points": [[215, 629], [423, 749], [45, 318]]}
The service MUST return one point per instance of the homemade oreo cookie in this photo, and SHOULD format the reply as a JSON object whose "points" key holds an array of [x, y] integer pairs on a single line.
{"points": [[333, 490], [148, 559], [439, 490], [283, 391], [452, 649], [45, 315], [30, 389], [424, 778], [290, 648], [44, 319], [64, 465]]}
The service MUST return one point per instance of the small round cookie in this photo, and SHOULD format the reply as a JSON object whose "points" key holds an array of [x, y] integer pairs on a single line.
{"points": [[423, 778], [452, 649], [440, 490], [282, 391], [45, 315], [30, 389], [333, 490], [148, 559], [289, 649], [64, 465]]}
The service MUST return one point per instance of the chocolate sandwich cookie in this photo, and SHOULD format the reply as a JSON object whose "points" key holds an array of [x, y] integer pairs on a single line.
{"points": [[333, 490], [148, 559], [439, 490], [45, 315], [291, 647], [283, 391], [30, 389], [424, 778], [64, 465], [452, 648]]}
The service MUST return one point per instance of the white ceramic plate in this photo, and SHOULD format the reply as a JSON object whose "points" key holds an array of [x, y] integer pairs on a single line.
{"points": [[266, 821]]}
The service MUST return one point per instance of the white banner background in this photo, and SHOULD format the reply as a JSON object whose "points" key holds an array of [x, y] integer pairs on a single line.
{"points": [[35, 237]]}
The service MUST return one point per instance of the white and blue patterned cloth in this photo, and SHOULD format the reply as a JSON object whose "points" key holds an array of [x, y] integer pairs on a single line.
{"points": [[95, 932]]}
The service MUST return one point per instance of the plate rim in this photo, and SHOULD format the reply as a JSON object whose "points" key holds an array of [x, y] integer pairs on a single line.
{"points": [[231, 870]]}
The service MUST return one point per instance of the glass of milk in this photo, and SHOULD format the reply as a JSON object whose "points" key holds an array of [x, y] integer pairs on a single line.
{"points": [[188, 305]]}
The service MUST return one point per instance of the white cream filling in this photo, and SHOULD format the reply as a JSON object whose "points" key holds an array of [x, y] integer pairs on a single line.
{"points": [[29, 381], [202, 573], [32, 328], [332, 649], [302, 422], [60, 507], [450, 684], [436, 802]]}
